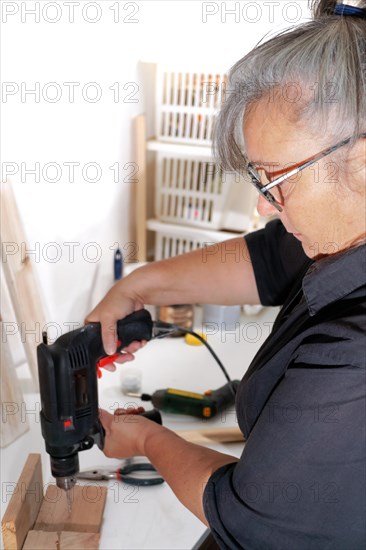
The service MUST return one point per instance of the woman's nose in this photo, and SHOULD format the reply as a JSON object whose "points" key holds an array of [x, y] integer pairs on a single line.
{"points": [[265, 208]]}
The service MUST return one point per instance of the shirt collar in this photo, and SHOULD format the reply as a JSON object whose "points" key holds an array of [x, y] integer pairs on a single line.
{"points": [[333, 277]]}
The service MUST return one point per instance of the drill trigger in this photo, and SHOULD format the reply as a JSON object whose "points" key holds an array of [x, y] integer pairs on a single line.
{"points": [[107, 360]]}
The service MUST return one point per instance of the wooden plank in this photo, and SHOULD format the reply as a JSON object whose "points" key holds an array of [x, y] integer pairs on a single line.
{"points": [[76, 541], [13, 423], [42, 540], [44, 521], [208, 436], [10, 332], [86, 515], [140, 189], [24, 504], [21, 279], [66, 540]]}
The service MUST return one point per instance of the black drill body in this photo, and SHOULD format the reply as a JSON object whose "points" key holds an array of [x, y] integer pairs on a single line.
{"points": [[69, 390]]}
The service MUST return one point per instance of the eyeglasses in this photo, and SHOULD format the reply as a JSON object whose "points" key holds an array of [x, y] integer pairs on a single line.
{"points": [[277, 201]]}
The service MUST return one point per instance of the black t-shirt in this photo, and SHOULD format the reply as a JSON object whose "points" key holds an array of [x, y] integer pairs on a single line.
{"points": [[300, 482], [278, 261]]}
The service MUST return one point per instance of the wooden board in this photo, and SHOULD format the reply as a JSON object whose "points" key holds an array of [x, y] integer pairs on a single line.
{"points": [[66, 540], [76, 541], [24, 504], [207, 436], [86, 513], [46, 517], [13, 421], [42, 540], [20, 277]]}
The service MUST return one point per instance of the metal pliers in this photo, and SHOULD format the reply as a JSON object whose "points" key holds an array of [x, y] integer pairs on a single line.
{"points": [[123, 474]]}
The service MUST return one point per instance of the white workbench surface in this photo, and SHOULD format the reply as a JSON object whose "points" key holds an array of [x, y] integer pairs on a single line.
{"points": [[149, 517]]}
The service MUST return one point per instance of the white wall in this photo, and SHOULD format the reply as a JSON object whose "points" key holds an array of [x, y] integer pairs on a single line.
{"points": [[37, 52]]}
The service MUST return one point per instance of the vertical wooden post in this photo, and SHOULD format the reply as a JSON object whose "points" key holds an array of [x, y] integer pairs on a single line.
{"points": [[12, 423], [20, 277], [140, 194]]}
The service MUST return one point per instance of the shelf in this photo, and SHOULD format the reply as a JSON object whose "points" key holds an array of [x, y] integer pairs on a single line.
{"points": [[203, 151], [187, 230]]}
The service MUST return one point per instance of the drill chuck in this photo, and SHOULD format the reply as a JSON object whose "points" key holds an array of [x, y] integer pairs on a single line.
{"points": [[66, 467], [65, 483]]}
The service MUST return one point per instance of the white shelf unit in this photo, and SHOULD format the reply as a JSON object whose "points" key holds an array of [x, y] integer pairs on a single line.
{"points": [[187, 102], [194, 202], [172, 239]]}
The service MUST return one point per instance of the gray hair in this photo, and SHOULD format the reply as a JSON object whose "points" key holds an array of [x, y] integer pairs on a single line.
{"points": [[318, 67]]}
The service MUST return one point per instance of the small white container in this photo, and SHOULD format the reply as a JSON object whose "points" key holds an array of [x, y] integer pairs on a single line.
{"points": [[225, 317], [131, 379]]}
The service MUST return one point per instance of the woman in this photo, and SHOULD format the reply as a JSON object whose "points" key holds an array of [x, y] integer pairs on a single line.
{"points": [[298, 111]]}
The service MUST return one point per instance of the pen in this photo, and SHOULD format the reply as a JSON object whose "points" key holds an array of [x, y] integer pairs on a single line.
{"points": [[118, 265]]}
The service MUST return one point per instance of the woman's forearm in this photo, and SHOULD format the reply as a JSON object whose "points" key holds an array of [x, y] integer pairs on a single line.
{"points": [[217, 274], [186, 467], [201, 276]]}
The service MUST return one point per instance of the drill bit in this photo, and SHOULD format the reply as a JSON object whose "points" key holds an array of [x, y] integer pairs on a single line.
{"points": [[67, 483], [69, 500]]}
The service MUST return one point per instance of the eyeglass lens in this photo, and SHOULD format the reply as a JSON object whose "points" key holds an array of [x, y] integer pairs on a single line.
{"points": [[259, 179]]}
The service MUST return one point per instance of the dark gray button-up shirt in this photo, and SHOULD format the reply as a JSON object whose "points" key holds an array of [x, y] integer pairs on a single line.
{"points": [[300, 482]]}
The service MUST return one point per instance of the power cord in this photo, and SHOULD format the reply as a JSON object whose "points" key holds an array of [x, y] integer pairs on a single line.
{"points": [[167, 329]]}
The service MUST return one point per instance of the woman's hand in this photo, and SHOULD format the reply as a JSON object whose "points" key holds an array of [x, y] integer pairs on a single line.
{"points": [[116, 304], [186, 467], [125, 432], [126, 354]]}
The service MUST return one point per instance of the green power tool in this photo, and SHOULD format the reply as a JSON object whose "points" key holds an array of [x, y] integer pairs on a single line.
{"points": [[201, 405]]}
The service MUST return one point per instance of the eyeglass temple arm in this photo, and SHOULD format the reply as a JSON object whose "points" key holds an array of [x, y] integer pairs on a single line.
{"points": [[320, 155]]}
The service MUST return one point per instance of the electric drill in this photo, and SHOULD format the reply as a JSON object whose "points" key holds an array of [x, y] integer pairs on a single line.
{"points": [[68, 372]]}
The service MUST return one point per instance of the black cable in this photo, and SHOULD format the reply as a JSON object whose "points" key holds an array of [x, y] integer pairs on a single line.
{"points": [[168, 328]]}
